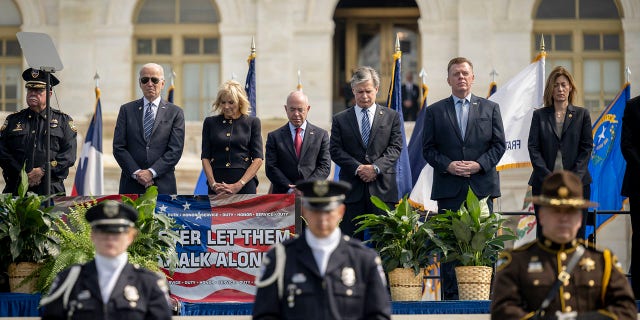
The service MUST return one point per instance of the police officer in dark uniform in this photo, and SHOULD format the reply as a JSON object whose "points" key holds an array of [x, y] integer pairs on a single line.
{"points": [[558, 276], [322, 274], [109, 287], [23, 140]]}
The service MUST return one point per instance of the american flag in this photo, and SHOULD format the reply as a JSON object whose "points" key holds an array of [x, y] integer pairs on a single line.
{"points": [[223, 242]]}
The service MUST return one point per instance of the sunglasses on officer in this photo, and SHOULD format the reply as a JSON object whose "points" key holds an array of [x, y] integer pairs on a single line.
{"points": [[144, 80]]}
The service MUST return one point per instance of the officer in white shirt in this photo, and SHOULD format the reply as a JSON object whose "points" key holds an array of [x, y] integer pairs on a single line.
{"points": [[108, 287], [322, 274]]}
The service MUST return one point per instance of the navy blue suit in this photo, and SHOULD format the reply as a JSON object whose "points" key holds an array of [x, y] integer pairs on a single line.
{"points": [[161, 152], [484, 143]]}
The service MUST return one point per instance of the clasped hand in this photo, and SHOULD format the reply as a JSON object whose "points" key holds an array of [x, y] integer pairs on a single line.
{"points": [[463, 168], [366, 172]]}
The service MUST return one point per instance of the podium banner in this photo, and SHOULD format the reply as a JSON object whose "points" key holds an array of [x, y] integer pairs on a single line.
{"points": [[223, 242]]}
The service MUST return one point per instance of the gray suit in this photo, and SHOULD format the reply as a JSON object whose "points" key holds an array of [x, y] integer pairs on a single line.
{"points": [[284, 168], [161, 153]]}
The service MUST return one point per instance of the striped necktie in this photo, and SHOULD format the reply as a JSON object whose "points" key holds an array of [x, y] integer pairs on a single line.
{"points": [[366, 127], [147, 123]]}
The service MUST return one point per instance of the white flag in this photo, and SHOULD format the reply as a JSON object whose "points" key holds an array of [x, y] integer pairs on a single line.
{"points": [[421, 193], [518, 98]]}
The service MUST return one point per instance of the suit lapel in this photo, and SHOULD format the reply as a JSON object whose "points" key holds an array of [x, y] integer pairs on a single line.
{"points": [[305, 256], [569, 118], [123, 280], [474, 113], [308, 139], [377, 121], [450, 109], [90, 276], [353, 123], [549, 117], [285, 132], [139, 114], [161, 114]]}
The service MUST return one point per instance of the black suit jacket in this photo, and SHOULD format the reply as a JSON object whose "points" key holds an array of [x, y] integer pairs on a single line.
{"points": [[352, 287], [575, 143], [348, 151], [483, 143], [145, 288], [162, 152], [283, 167], [630, 146]]}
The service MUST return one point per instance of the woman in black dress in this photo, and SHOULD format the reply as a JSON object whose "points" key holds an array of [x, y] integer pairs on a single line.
{"points": [[231, 143]]}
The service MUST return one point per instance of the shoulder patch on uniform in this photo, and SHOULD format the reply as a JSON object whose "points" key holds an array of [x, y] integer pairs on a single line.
{"points": [[504, 259], [4, 125], [72, 126]]}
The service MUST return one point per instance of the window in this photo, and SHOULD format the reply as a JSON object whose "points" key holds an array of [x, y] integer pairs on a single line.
{"points": [[586, 37], [11, 88], [183, 37]]}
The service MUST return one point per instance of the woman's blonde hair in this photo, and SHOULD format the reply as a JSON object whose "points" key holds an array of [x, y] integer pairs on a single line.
{"points": [[551, 80], [235, 90]]}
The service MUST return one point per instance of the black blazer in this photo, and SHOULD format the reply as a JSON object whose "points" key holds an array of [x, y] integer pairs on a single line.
{"points": [[145, 288], [630, 146], [283, 167], [483, 143], [348, 151], [575, 142], [162, 152], [235, 150], [324, 297]]}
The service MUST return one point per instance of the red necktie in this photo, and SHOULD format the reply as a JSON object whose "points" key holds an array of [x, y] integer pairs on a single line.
{"points": [[297, 142]]}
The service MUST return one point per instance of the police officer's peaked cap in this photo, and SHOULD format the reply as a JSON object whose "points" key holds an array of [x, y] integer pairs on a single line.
{"points": [[112, 216], [323, 195], [36, 79], [562, 189]]}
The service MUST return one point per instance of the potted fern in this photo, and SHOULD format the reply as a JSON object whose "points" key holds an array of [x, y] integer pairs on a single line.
{"points": [[24, 225], [474, 236], [155, 241], [404, 243]]}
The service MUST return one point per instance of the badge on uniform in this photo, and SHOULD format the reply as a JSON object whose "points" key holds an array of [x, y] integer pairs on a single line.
{"points": [[587, 264], [84, 295], [53, 123], [18, 127], [131, 294], [299, 278], [535, 266], [348, 276]]}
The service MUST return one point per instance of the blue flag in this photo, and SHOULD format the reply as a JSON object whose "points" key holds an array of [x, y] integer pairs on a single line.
{"points": [[250, 83], [493, 87], [607, 165], [89, 180], [394, 101], [416, 159]]}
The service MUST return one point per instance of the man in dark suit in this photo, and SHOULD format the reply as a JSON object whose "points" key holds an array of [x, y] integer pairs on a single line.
{"points": [[323, 274], [109, 286], [410, 96], [630, 147], [463, 140], [298, 150], [149, 137], [365, 142]]}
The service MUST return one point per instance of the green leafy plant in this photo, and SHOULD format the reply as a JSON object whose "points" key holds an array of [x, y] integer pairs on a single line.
{"points": [[400, 236], [472, 235], [156, 238], [155, 241], [25, 222], [74, 236]]}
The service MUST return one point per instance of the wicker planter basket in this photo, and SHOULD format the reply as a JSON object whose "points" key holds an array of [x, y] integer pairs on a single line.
{"points": [[20, 271], [405, 285], [474, 283]]}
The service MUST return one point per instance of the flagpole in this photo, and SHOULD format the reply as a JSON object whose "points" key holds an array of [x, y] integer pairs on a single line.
{"points": [[627, 73], [299, 87]]}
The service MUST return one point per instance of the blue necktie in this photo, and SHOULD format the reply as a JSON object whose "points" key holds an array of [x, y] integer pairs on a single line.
{"points": [[147, 123], [366, 127], [463, 115]]}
